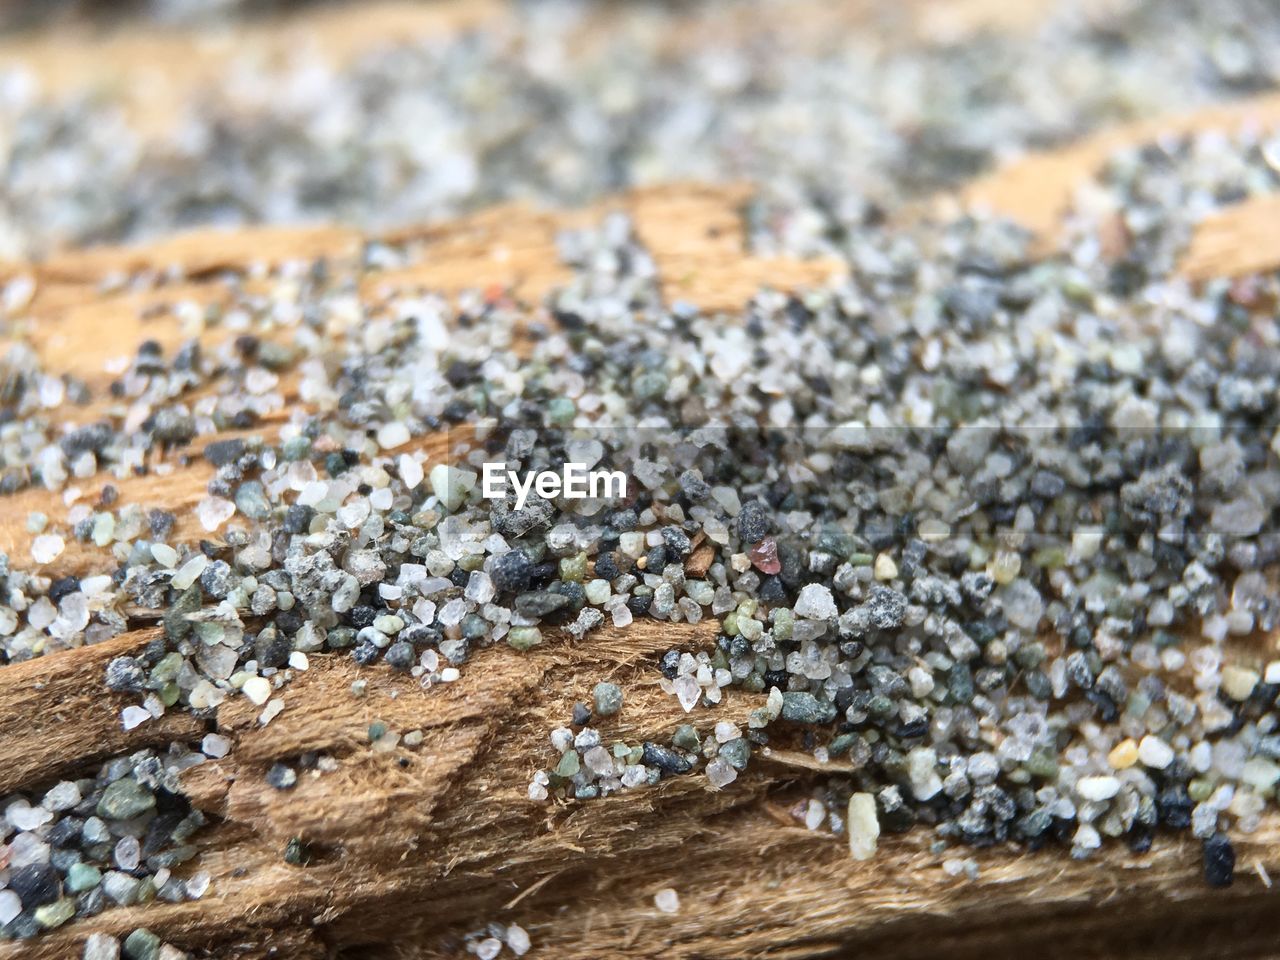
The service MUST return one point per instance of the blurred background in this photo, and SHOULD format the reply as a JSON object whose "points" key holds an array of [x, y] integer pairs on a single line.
{"points": [[25, 13], [120, 121]]}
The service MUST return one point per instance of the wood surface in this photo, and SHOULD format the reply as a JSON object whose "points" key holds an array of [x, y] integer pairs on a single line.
{"points": [[415, 848]]}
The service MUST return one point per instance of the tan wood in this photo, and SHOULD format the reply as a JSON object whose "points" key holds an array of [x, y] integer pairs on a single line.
{"points": [[410, 857], [1037, 190]]}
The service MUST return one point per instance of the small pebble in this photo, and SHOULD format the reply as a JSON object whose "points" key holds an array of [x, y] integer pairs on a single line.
{"points": [[257, 689], [1155, 753], [100, 946], [47, 547], [1098, 788], [667, 900], [142, 944], [517, 938], [1219, 861], [607, 698], [1124, 754], [863, 826]]}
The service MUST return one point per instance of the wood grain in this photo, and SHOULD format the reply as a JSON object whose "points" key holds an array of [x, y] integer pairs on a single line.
{"points": [[411, 857], [1236, 241], [415, 848], [1037, 189]]}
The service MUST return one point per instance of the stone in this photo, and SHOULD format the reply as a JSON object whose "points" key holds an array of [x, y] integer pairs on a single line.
{"points": [[125, 675], [736, 753], [540, 603], [511, 571], [667, 900], [142, 944], [125, 799], [100, 946], [524, 638], [251, 500], [607, 698], [55, 914], [885, 568], [121, 888], [47, 547], [599, 761], [1098, 788], [862, 825], [1239, 682], [1219, 861], [688, 692], [754, 522], [83, 876], [1154, 752], [802, 707], [922, 769], [451, 485], [517, 938], [665, 759], [815, 602], [721, 773], [10, 906], [569, 764], [36, 884], [213, 512], [393, 434], [1123, 755], [257, 689]]}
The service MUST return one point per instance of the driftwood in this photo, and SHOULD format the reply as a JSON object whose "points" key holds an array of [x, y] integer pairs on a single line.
{"points": [[415, 848]]}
